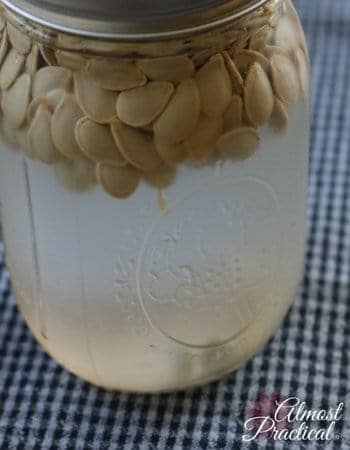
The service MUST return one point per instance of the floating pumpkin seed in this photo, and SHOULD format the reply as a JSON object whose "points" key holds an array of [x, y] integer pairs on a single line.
{"points": [[246, 58], [140, 106], [236, 77], [48, 55], [233, 116], [51, 100], [169, 68], [269, 50], [11, 67], [15, 100], [136, 146], [201, 144], [63, 123], [119, 182], [116, 75], [302, 66], [214, 85], [161, 177], [180, 117], [97, 142], [4, 45], [32, 60], [40, 138], [171, 153], [70, 60], [285, 79], [285, 35], [279, 117], [18, 39], [239, 143], [77, 175], [97, 103], [261, 38], [258, 96], [49, 78]]}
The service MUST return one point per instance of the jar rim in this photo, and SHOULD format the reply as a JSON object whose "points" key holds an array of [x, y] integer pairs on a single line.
{"points": [[159, 27]]}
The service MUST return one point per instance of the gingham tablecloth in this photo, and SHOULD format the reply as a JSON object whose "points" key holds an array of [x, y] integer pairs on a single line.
{"points": [[44, 407]]}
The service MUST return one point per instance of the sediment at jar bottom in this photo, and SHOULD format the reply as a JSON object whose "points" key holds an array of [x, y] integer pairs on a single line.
{"points": [[117, 121]]}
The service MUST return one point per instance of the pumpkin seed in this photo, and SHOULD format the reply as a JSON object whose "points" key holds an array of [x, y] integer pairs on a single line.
{"points": [[169, 68], [11, 67], [239, 143], [233, 116], [140, 106], [40, 138], [63, 123], [119, 182], [202, 142], [115, 75], [136, 146], [18, 39], [51, 100], [171, 154], [302, 66], [279, 117], [48, 55], [4, 45], [97, 142], [261, 38], [15, 100], [180, 117], [70, 60], [236, 78], [258, 96], [32, 60], [246, 58], [97, 103], [269, 50], [2, 20], [77, 175], [214, 85], [284, 79], [49, 78], [285, 35]]}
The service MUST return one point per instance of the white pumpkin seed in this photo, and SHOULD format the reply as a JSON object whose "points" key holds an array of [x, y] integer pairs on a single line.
{"points": [[233, 116], [140, 106], [239, 143], [169, 68], [51, 100], [261, 38], [32, 60], [201, 144], [269, 50], [279, 117], [18, 39], [63, 123], [70, 60], [97, 103], [40, 138], [4, 45], [258, 96], [97, 142], [236, 77], [284, 79], [285, 35], [115, 75], [246, 58], [180, 117], [11, 67], [78, 175], [214, 85], [302, 66], [119, 182], [171, 154], [49, 78], [15, 100], [136, 146]]}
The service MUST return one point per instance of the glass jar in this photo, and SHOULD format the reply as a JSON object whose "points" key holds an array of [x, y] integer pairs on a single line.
{"points": [[153, 180]]}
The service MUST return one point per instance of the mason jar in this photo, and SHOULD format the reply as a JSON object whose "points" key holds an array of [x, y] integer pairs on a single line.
{"points": [[153, 174]]}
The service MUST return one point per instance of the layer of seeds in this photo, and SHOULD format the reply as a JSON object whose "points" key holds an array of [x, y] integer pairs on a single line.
{"points": [[116, 121]]}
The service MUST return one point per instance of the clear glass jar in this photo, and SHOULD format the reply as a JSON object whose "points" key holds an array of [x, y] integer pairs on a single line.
{"points": [[153, 192]]}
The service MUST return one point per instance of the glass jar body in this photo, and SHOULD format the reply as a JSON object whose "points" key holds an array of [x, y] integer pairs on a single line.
{"points": [[186, 274]]}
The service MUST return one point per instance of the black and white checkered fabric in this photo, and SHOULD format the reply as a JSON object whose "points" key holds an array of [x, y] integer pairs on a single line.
{"points": [[44, 407]]}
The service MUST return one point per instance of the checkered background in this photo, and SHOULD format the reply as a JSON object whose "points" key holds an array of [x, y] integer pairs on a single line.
{"points": [[44, 407]]}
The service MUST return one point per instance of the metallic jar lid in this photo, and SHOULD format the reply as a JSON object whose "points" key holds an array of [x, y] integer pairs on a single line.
{"points": [[132, 19]]}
